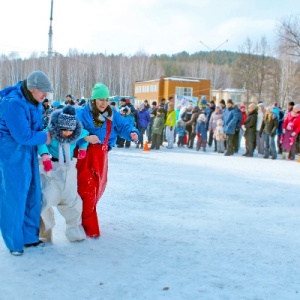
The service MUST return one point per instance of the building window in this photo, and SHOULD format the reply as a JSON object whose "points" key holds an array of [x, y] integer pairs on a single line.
{"points": [[236, 98], [184, 91]]}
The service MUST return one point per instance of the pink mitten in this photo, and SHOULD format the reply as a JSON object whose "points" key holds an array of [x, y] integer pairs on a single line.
{"points": [[47, 162], [81, 154]]}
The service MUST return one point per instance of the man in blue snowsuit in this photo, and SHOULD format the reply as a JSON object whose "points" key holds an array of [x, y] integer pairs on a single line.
{"points": [[21, 130]]}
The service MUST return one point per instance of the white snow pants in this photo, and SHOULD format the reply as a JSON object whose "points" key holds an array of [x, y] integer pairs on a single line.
{"points": [[59, 189], [170, 136]]}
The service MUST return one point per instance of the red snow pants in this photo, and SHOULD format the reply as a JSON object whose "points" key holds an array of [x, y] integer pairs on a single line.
{"points": [[91, 182]]}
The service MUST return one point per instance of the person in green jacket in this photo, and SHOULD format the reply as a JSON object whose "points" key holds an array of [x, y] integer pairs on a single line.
{"points": [[157, 129]]}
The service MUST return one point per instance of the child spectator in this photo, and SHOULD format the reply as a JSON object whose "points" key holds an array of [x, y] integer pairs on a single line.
{"points": [[220, 136], [126, 113], [181, 132], [157, 129], [59, 187], [201, 132]]}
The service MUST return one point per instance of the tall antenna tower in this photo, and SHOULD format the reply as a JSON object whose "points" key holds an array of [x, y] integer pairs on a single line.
{"points": [[50, 49]]}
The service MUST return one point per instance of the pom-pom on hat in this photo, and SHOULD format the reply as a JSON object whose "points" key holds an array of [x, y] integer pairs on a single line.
{"points": [[100, 91], [67, 118]]}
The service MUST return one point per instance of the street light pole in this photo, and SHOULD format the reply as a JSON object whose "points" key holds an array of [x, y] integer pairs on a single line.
{"points": [[50, 48], [212, 61]]}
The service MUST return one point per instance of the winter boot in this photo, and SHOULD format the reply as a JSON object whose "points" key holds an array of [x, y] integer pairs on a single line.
{"points": [[284, 155]]}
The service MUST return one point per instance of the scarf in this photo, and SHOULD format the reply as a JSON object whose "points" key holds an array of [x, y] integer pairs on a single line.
{"points": [[27, 94]]}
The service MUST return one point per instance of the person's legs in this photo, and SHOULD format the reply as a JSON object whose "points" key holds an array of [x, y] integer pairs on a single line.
{"points": [[92, 181], [273, 147], [51, 195], [229, 150], [20, 198], [266, 145], [170, 136], [70, 206], [154, 140]]}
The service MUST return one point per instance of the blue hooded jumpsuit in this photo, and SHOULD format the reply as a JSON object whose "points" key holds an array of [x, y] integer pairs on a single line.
{"points": [[20, 191]]}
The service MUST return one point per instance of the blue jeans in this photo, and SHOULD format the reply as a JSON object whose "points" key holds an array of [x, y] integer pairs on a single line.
{"points": [[269, 146]]}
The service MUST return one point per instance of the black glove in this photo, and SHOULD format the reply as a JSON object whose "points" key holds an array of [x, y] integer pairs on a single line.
{"points": [[171, 128]]}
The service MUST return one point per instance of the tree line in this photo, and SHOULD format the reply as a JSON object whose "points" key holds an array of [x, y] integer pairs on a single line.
{"points": [[269, 73]]}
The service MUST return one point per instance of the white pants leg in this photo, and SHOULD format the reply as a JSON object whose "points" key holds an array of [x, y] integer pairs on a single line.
{"points": [[170, 136], [59, 188]]}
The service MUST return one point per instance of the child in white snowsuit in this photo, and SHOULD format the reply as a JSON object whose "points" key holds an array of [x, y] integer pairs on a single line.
{"points": [[220, 136], [59, 175]]}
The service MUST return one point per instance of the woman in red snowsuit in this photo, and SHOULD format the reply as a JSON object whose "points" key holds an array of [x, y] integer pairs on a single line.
{"points": [[104, 124]]}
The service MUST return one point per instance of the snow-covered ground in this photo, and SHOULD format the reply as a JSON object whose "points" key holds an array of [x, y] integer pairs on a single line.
{"points": [[176, 224]]}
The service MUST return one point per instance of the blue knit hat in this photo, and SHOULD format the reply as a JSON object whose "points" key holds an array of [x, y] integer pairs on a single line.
{"points": [[67, 118]]}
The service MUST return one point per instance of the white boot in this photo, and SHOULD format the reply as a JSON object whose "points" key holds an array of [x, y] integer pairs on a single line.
{"points": [[46, 236]]}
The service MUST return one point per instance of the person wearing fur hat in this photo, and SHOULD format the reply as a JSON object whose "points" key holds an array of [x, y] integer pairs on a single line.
{"points": [[103, 124], [291, 130], [201, 132], [59, 176], [269, 127], [250, 130], [21, 130]]}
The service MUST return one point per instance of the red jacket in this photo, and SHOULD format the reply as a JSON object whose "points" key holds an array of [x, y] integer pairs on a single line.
{"points": [[244, 117], [293, 119]]}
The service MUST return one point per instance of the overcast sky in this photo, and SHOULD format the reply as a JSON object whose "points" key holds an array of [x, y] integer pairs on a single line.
{"points": [[151, 26]]}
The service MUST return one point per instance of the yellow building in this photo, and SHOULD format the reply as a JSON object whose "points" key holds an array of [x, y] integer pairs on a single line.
{"points": [[176, 86]]}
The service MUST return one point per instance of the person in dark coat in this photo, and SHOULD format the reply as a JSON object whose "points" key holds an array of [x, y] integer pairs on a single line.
{"points": [[192, 122], [269, 127], [279, 130], [250, 130], [186, 117], [212, 107]]}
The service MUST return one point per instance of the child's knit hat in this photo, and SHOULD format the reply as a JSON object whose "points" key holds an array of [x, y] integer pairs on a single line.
{"points": [[67, 118], [202, 118]]}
